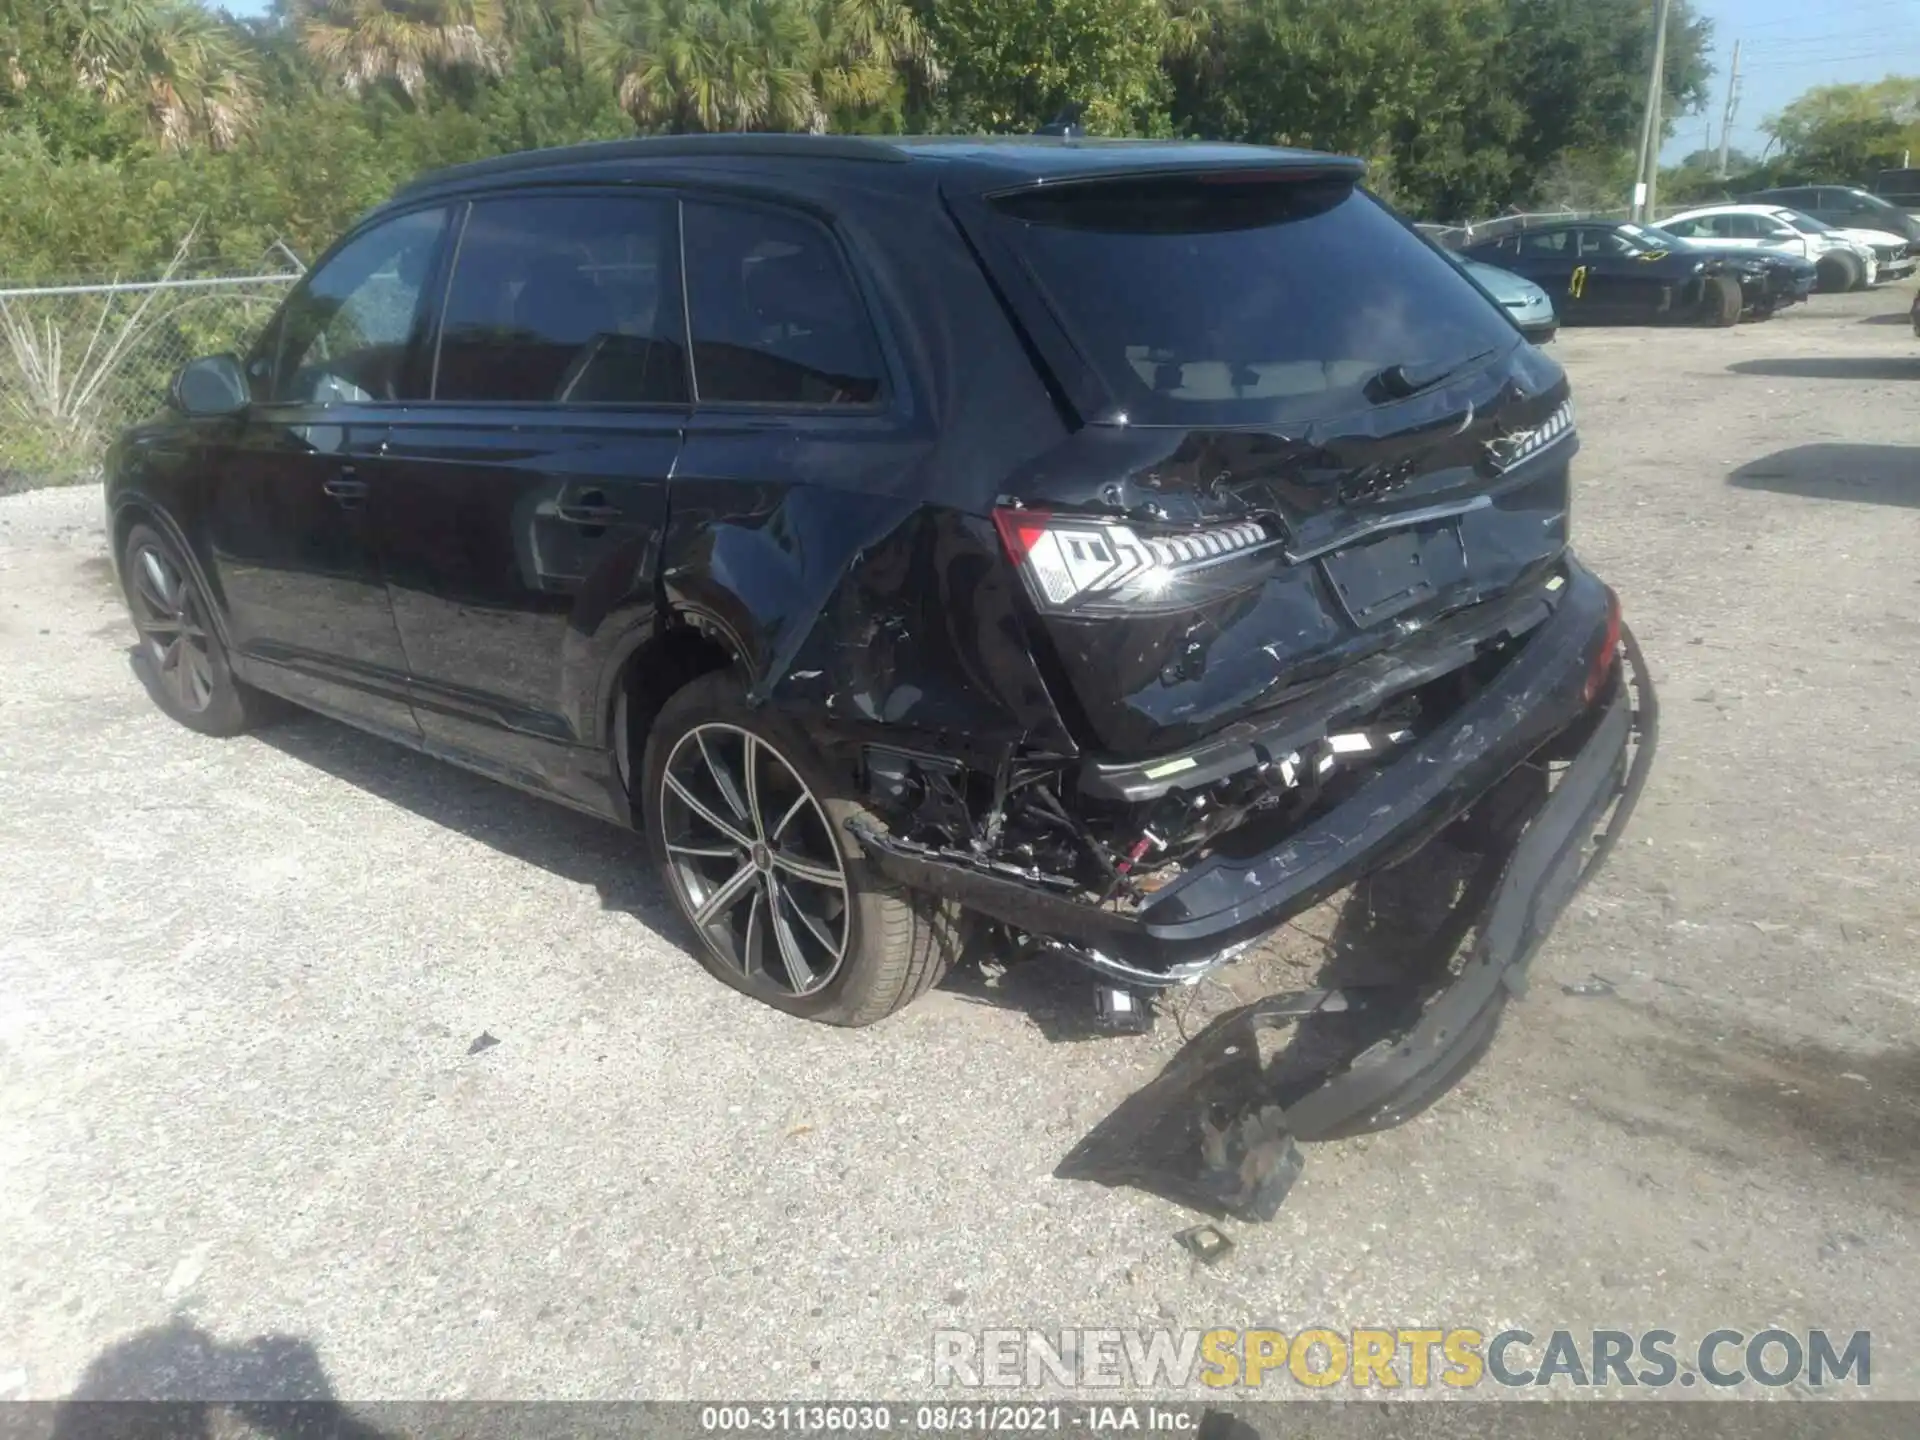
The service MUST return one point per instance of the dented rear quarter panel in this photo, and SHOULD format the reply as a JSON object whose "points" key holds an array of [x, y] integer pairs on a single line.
{"points": [[847, 558]]}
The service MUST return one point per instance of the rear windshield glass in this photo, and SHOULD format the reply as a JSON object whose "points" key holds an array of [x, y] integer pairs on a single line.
{"points": [[1223, 300]]}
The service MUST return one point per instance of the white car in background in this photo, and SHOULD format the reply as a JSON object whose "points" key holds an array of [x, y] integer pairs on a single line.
{"points": [[1847, 259]]}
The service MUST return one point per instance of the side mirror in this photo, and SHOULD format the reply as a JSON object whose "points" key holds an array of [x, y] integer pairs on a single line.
{"points": [[211, 385]]}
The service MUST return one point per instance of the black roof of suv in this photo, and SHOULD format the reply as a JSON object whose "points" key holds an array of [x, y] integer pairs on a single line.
{"points": [[1126, 543], [1011, 159]]}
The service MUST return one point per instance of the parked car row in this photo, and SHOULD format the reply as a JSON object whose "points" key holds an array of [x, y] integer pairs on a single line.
{"points": [[1601, 271], [1845, 259], [1712, 265]]}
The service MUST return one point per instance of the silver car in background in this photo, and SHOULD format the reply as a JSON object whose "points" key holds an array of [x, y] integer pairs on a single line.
{"points": [[1530, 306]]}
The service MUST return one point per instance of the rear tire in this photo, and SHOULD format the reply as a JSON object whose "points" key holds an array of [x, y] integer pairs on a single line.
{"points": [[1720, 301], [180, 658], [744, 823]]}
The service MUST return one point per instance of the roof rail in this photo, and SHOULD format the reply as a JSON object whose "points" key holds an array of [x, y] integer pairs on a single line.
{"points": [[601, 152]]}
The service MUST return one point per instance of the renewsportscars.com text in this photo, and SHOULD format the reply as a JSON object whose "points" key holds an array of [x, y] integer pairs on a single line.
{"points": [[1398, 1358]]}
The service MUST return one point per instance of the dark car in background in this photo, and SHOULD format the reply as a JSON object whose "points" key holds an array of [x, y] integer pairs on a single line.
{"points": [[1846, 207], [1601, 271], [1899, 187], [1121, 545]]}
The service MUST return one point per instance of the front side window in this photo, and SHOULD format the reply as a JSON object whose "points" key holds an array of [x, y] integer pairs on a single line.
{"points": [[565, 300], [776, 318], [344, 335]]}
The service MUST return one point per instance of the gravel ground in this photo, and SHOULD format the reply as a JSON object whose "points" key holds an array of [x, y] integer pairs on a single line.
{"points": [[247, 1143]]}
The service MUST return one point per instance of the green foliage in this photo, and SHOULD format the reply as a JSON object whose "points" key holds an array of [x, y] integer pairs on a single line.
{"points": [[1461, 106], [1403, 83], [187, 75], [1013, 65], [1847, 132]]}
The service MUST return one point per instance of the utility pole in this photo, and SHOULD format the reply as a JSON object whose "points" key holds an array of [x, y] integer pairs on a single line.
{"points": [[1733, 99], [1643, 185]]}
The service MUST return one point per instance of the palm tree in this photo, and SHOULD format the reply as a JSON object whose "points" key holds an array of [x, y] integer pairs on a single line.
{"points": [[755, 64], [870, 47], [529, 22], [364, 42], [190, 73], [691, 65]]}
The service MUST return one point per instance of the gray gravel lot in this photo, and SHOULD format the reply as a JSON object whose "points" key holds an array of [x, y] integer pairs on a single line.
{"points": [[239, 983]]}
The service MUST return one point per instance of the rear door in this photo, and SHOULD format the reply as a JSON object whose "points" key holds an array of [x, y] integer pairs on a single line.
{"points": [[801, 425], [523, 505], [293, 517]]}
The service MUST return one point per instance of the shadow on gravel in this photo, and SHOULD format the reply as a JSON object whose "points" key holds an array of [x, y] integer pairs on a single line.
{"points": [[1876, 474], [1858, 1112], [1899, 317], [539, 832], [1835, 367], [195, 1387]]}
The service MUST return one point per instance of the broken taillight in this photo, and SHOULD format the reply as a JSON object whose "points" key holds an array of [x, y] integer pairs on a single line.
{"points": [[1608, 652], [1081, 564]]}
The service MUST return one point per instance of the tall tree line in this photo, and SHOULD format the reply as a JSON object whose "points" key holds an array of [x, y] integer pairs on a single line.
{"points": [[126, 120]]}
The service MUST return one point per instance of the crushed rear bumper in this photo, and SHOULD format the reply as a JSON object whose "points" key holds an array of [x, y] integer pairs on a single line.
{"points": [[1228, 901]]}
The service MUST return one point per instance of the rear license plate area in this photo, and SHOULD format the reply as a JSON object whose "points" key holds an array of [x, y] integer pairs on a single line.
{"points": [[1397, 571]]}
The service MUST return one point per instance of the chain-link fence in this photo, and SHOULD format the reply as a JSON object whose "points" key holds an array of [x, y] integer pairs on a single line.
{"points": [[79, 362]]}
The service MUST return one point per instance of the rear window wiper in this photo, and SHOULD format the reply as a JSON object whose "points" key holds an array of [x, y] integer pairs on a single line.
{"points": [[1399, 382]]}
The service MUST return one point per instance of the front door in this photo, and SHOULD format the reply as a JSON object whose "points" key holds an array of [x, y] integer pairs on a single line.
{"points": [[292, 519], [522, 507]]}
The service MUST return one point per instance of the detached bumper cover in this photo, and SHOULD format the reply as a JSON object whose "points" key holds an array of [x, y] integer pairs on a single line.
{"points": [[1228, 900], [1212, 1109]]}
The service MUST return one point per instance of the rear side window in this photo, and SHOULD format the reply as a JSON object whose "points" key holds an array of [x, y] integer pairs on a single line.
{"points": [[565, 300], [776, 319], [1217, 299]]}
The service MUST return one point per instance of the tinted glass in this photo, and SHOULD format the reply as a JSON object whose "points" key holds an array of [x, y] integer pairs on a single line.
{"points": [[565, 300], [1552, 243], [1219, 299], [343, 336], [776, 319], [1687, 228]]}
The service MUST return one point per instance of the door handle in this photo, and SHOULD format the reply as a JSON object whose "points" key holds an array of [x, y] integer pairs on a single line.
{"points": [[346, 488], [590, 509]]}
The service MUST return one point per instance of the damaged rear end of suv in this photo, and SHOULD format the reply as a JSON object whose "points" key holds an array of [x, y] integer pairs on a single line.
{"points": [[1288, 594], [1297, 585]]}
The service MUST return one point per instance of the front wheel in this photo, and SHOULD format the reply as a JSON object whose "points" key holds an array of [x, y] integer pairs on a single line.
{"points": [[744, 822], [180, 659], [1837, 272], [1720, 301]]}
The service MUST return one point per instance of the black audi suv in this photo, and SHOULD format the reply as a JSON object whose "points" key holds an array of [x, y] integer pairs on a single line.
{"points": [[1110, 549]]}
